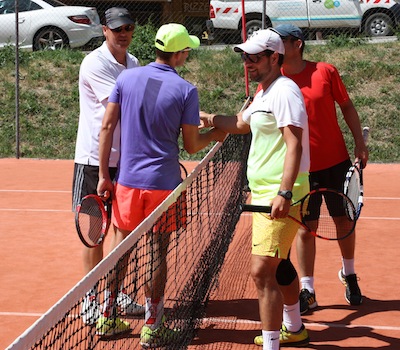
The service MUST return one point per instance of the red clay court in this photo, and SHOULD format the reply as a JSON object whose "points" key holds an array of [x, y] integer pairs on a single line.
{"points": [[41, 261]]}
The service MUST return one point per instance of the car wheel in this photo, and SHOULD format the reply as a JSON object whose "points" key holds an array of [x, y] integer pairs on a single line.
{"points": [[378, 24], [50, 38], [252, 26]]}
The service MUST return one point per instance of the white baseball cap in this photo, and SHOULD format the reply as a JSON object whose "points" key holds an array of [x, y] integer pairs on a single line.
{"points": [[261, 40]]}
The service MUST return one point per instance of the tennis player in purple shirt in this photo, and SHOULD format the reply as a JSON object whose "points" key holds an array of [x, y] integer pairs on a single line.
{"points": [[154, 104]]}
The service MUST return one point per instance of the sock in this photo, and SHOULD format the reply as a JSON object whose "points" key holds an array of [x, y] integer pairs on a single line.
{"points": [[154, 312], [307, 282], [109, 303], [270, 340], [291, 317], [348, 266]]}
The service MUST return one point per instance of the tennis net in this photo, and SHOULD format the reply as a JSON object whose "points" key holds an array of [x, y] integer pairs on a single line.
{"points": [[203, 211]]}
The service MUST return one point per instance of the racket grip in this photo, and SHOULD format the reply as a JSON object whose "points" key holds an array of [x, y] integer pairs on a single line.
{"points": [[365, 134], [255, 208]]}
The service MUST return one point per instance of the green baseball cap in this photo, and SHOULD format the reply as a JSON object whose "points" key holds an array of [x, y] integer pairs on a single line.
{"points": [[174, 37]]}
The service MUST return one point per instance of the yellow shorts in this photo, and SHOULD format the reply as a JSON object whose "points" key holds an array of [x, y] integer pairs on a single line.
{"points": [[274, 237], [130, 206]]}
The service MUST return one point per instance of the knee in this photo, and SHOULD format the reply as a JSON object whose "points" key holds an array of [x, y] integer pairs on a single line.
{"points": [[305, 235], [257, 274]]}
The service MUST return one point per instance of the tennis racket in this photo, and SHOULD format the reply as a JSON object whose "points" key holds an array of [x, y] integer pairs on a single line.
{"points": [[354, 185], [325, 213], [91, 220], [184, 172]]}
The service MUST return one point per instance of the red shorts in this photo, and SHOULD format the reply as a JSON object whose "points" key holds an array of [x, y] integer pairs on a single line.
{"points": [[131, 206]]}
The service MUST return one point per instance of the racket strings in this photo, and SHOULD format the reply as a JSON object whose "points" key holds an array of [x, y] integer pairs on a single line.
{"points": [[333, 215], [91, 220], [354, 189]]}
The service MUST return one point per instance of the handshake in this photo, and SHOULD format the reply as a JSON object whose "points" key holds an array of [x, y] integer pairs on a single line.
{"points": [[207, 121]]}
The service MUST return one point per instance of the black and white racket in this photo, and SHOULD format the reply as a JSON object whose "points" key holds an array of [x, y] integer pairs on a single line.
{"points": [[91, 220], [325, 213], [354, 185]]}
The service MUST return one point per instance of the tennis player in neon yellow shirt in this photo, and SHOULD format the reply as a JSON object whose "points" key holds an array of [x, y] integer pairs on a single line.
{"points": [[277, 171]]}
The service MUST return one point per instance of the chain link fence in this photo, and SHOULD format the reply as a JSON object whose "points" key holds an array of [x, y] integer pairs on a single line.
{"points": [[42, 25], [318, 18]]}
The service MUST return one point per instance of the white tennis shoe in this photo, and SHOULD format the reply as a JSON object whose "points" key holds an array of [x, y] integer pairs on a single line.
{"points": [[90, 310], [128, 306]]}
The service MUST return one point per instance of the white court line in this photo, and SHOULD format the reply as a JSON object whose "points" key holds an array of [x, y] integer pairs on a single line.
{"points": [[376, 218], [69, 191], [362, 218], [244, 214], [240, 321], [317, 325], [37, 210], [37, 191], [21, 314], [383, 198]]}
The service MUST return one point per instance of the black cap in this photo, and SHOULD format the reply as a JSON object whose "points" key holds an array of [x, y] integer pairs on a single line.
{"points": [[117, 17]]}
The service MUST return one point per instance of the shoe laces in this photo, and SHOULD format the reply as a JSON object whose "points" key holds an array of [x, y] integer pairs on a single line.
{"points": [[306, 295], [352, 283]]}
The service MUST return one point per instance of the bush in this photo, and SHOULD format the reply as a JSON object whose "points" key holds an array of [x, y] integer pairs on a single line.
{"points": [[142, 45], [7, 56]]}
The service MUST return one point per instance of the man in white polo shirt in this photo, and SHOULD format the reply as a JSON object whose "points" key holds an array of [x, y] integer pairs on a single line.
{"points": [[98, 73]]}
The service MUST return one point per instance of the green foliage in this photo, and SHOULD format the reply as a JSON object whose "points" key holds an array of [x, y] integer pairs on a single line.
{"points": [[142, 45], [344, 40], [7, 56], [49, 101], [217, 73], [397, 33], [48, 104]]}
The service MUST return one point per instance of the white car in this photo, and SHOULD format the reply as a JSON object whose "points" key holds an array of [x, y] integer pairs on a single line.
{"points": [[49, 25], [373, 17]]}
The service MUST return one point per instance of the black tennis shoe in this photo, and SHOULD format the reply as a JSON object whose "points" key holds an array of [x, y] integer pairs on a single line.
{"points": [[353, 293], [307, 301]]}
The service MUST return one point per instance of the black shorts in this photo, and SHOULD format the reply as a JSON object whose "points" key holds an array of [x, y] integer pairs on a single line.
{"points": [[332, 178], [85, 182]]}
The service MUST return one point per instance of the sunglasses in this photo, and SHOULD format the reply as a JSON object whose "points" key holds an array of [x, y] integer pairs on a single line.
{"points": [[127, 28], [186, 50], [254, 58]]}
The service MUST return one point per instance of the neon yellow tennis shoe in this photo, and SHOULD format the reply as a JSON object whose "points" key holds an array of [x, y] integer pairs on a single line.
{"points": [[108, 326], [160, 336], [289, 339]]}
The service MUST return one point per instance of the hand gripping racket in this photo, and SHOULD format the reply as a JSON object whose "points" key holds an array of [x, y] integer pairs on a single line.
{"points": [[325, 213], [353, 185], [91, 220]]}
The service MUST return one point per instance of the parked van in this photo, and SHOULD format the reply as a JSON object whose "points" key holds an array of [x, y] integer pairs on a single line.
{"points": [[373, 17]]}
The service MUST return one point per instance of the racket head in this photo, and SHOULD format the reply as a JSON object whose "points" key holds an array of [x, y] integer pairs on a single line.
{"points": [[353, 187], [328, 214], [91, 220]]}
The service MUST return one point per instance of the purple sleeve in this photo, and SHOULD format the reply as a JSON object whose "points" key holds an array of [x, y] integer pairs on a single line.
{"points": [[114, 96], [191, 114]]}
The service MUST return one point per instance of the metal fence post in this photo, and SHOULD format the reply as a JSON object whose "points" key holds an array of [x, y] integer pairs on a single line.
{"points": [[17, 150]]}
